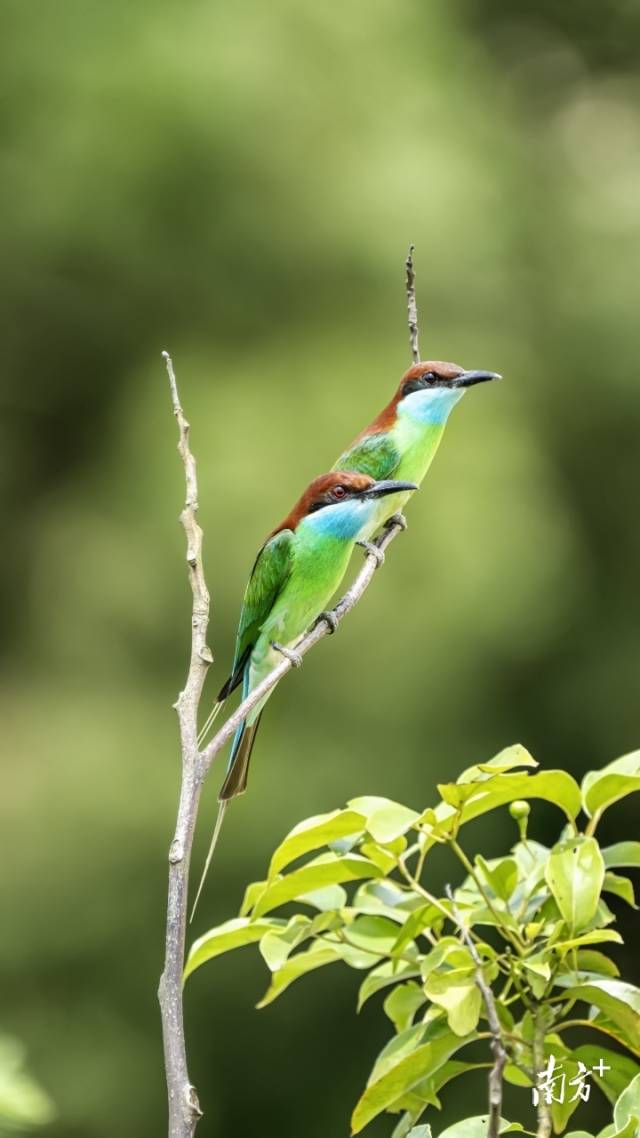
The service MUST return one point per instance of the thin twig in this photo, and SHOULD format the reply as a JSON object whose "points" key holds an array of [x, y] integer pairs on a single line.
{"points": [[497, 1046], [543, 1108], [506, 932], [412, 308], [308, 641], [184, 1109]]}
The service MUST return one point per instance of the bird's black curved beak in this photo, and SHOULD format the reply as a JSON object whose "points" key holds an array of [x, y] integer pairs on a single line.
{"points": [[468, 378], [379, 489]]}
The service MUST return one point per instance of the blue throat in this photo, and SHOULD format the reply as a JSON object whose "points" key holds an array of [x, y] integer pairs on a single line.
{"points": [[430, 407], [343, 521]]}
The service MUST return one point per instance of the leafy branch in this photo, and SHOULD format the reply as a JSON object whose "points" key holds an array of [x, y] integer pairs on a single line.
{"points": [[360, 900]]}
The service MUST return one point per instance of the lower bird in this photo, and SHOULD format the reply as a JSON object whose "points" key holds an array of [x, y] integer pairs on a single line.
{"points": [[294, 576], [402, 440]]}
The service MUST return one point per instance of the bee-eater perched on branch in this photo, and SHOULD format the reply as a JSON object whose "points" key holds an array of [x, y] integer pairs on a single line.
{"points": [[295, 574], [403, 439]]}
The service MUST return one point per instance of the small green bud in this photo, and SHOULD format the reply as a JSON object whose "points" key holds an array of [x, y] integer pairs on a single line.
{"points": [[519, 810]]}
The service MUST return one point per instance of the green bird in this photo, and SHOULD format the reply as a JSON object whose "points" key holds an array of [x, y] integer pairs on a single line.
{"points": [[402, 440], [294, 576]]}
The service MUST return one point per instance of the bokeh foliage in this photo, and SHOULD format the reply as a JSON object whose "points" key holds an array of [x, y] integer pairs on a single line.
{"points": [[239, 183]]}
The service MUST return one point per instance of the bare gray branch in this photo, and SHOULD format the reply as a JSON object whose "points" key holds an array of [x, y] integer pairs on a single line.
{"points": [[184, 1109]]}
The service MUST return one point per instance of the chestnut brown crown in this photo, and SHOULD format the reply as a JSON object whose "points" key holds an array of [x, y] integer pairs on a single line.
{"points": [[325, 490]]}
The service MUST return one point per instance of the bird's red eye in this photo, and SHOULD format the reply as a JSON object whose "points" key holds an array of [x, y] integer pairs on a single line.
{"points": [[339, 492]]}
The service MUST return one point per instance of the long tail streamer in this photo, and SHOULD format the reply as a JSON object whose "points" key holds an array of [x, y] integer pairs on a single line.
{"points": [[222, 809], [205, 729]]}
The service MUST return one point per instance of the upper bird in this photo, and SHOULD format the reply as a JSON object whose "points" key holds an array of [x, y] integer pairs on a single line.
{"points": [[296, 572], [403, 439]]}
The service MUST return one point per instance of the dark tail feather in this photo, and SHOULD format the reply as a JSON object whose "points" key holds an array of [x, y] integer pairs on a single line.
{"points": [[227, 688], [236, 781], [222, 808]]}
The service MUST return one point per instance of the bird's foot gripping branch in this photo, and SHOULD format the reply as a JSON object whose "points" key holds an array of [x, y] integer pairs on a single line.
{"points": [[505, 971]]}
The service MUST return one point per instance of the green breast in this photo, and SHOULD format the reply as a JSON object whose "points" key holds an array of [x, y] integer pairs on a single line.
{"points": [[417, 444], [318, 568]]}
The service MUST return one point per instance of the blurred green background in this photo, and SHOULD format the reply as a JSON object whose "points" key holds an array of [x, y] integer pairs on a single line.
{"points": [[238, 182]]}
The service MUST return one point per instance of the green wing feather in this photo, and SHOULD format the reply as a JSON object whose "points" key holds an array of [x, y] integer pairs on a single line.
{"points": [[270, 573], [376, 455]]}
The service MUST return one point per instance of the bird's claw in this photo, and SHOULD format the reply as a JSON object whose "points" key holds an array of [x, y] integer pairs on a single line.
{"points": [[396, 520], [294, 658], [330, 619], [370, 547]]}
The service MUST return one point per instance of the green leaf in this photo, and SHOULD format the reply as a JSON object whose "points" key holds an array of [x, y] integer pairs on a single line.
{"points": [[463, 803], [425, 1092], [458, 994], [403, 1044], [628, 1105], [602, 788], [317, 956], [420, 919], [574, 874], [232, 934], [631, 1129], [538, 972], [501, 874], [506, 760], [477, 1127], [383, 894], [515, 1076], [402, 1004], [621, 886], [429, 1047], [596, 936], [601, 1023], [589, 961], [385, 820], [622, 855], [390, 972], [377, 934], [276, 945], [314, 833], [561, 1111], [327, 921], [620, 1002], [531, 858], [355, 957], [251, 893], [327, 900], [381, 855], [448, 951], [328, 869], [621, 1071]]}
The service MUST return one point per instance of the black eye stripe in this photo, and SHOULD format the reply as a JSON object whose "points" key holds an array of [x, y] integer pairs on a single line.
{"points": [[329, 498], [419, 384]]}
